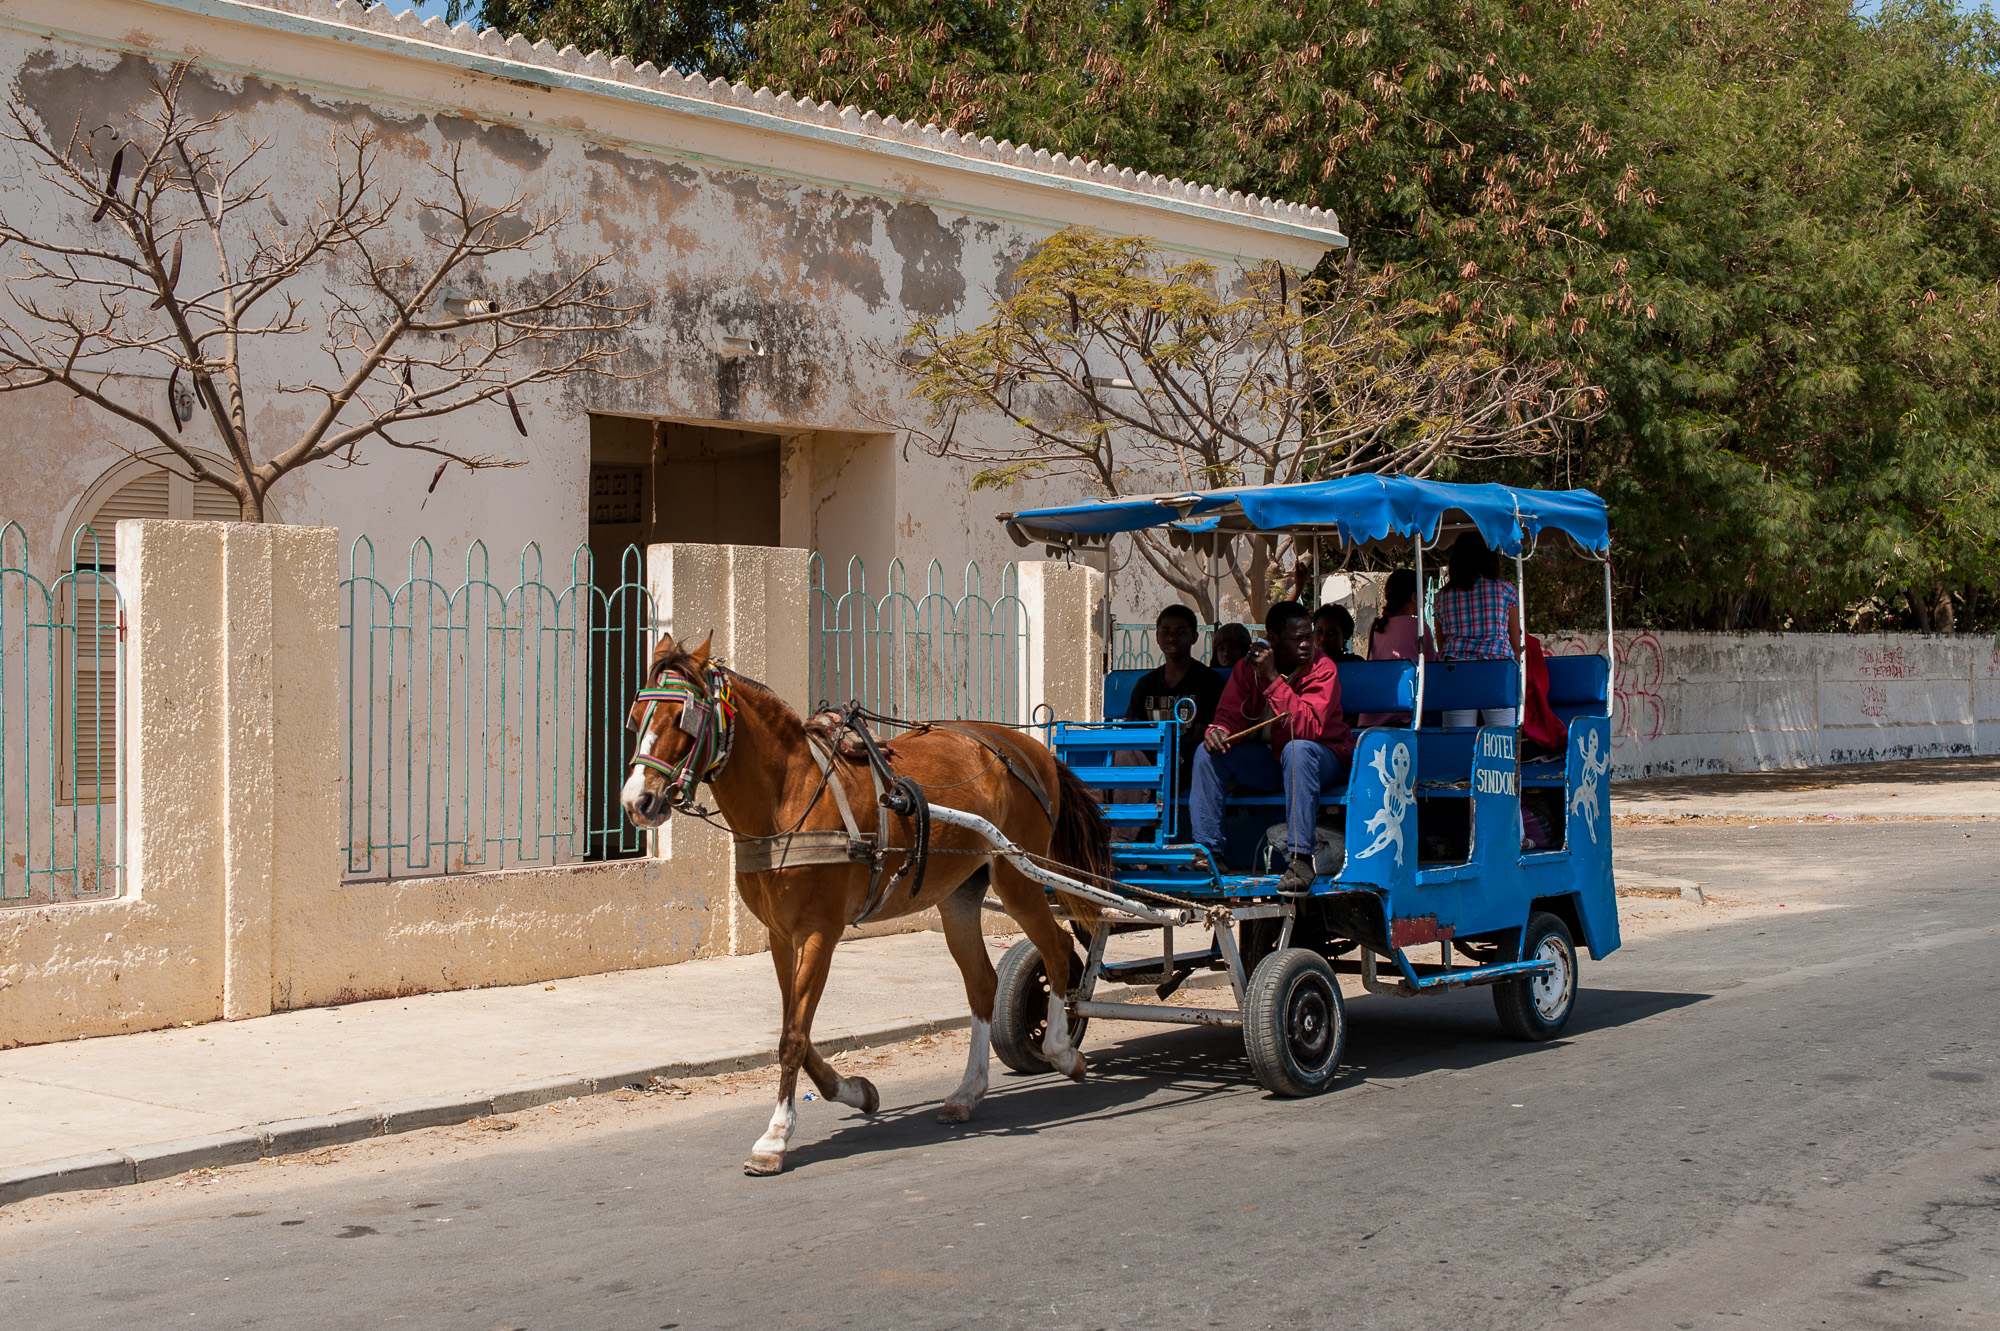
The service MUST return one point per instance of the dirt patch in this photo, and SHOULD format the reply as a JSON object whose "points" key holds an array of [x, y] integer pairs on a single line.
{"points": [[1740, 818]]}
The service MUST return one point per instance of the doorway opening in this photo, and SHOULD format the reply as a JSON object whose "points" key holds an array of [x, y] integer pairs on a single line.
{"points": [[653, 482]]}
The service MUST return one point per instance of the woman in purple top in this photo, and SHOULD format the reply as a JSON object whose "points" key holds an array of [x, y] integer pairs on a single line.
{"points": [[1478, 619]]}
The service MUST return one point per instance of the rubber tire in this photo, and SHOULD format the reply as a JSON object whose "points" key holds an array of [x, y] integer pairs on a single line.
{"points": [[1520, 1016], [1021, 1009], [1294, 1023]]}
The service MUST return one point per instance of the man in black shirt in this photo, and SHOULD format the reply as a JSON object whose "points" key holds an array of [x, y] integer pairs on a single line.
{"points": [[1179, 675]]}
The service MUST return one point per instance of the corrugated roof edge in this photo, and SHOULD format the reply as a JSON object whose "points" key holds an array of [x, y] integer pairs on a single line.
{"points": [[618, 73]]}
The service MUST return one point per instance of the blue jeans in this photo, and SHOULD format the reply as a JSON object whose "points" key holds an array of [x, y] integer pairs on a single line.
{"points": [[1302, 771]]}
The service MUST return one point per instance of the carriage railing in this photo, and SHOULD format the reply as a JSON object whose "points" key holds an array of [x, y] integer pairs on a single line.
{"points": [[936, 654], [62, 683], [484, 713]]}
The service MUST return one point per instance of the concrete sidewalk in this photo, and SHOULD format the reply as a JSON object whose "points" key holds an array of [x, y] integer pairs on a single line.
{"points": [[125, 1108], [1967, 787]]}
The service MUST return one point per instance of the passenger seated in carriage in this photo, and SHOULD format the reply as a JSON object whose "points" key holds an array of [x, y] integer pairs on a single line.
{"points": [[1397, 635], [1333, 633], [1303, 750], [1479, 619], [1232, 644], [1158, 693]]}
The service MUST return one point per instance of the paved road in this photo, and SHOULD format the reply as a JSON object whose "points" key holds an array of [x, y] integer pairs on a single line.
{"points": [[1785, 1119]]}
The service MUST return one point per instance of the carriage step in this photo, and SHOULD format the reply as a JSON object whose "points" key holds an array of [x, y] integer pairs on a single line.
{"points": [[1148, 968], [1504, 970]]}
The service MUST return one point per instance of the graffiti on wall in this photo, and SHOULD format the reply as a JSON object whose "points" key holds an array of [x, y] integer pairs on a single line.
{"points": [[1887, 663], [1641, 673]]}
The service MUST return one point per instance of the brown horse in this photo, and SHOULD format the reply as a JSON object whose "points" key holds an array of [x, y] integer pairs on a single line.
{"points": [[698, 722]]}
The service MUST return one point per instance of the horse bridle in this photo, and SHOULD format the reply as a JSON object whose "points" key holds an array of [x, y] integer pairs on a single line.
{"points": [[708, 719]]}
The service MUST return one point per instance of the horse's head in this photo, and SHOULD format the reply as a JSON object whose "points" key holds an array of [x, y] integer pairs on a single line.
{"points": [[683, 732]]}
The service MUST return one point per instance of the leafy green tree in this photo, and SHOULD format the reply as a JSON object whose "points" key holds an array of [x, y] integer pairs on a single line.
{"points": [[694, 36], [1800, 429], [1765, 227]]}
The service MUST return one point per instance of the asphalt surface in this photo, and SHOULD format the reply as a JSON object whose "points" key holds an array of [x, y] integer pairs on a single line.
{"points": [[1784, 1118]]}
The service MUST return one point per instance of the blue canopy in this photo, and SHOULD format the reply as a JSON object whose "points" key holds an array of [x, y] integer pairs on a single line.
{"points": [[1356, 509]]}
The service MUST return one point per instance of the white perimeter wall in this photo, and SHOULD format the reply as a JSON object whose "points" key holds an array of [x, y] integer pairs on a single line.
{"points": [[1745, 702]]}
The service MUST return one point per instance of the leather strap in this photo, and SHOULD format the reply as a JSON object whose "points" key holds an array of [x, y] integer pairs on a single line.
{"points": [[797, 849], [1004, 750]]}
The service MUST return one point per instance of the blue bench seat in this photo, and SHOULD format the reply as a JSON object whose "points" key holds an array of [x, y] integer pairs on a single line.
{"points": [[1461, 686], [1578, 686]]}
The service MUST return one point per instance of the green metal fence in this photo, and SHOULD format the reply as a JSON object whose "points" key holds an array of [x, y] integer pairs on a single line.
{"points": [[1133, 646], [62, 681], [485, 722], [924, 656]]}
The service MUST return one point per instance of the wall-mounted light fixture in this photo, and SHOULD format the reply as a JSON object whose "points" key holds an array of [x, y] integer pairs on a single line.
{"points": [[181, 398], [460, 303]]}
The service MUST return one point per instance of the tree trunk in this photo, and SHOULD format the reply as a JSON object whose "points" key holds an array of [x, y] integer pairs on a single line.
{"points": [[1918, 608], [1259, 591], [1947, 613], [251, 509]]}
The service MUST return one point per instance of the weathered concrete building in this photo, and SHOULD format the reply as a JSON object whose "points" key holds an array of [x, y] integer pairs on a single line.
{"points": [[780, 248]]}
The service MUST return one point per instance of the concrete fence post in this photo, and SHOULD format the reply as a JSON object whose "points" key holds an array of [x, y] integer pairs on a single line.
{"points": [[750, 602], [1060, 604], [232, 746]]}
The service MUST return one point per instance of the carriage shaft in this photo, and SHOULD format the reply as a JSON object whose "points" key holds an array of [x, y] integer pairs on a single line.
{"points": [[973, 823]]}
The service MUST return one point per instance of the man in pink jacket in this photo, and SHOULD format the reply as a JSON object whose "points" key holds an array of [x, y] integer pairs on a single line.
{"points": [[1304, 751]]}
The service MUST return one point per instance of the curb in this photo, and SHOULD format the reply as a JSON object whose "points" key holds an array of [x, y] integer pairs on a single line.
{"points": [[294, 1136]]}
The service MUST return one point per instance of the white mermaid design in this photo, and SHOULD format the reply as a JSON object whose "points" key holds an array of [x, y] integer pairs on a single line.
{"points": [[1387, 823], [1590, 769]]}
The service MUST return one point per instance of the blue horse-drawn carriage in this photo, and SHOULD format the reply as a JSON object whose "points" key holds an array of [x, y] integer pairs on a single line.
{"points": [[1437, 888]]}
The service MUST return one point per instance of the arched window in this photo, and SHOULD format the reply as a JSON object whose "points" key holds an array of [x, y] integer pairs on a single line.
{"points": [[153, 485]]}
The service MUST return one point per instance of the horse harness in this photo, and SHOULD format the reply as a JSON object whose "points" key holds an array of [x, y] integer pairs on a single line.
{"points": [[708, 718], [895, 793]]}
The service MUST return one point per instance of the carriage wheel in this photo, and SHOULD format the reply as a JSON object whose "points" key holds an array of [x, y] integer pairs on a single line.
{"points": [[1021, 1009], [1537, 1007], [1294, 1024]]}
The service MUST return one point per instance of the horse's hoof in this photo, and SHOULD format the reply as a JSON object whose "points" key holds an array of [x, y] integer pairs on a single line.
{"points": [[761, 1166], [1076, 1067], [952, 1113], [871, 1099]]}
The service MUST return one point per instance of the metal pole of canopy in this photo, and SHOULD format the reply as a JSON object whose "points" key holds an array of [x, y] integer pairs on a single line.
{"points": [[1610, 648], [1521, 595], [1423, 627], [1110, 611], [1521, 602]]}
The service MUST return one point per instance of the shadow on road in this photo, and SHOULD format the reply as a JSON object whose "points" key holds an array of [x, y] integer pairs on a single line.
{"points": [[1388, 1039]]}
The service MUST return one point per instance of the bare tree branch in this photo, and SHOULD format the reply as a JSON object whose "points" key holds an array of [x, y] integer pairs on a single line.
{"points": [[110, 286]]}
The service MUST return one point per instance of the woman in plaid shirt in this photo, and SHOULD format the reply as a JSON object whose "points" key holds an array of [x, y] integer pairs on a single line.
{"points": [[1478, 619]]}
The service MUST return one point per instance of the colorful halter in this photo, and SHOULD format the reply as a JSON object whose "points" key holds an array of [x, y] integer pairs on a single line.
{"points": [[709, 721]]}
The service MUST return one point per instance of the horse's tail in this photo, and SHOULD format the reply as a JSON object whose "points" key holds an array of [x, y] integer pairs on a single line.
{"points": [[1081, 839]]}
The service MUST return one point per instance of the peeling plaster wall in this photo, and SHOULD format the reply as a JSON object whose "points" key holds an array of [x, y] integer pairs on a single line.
{"points": [[235, 904], [823, 253], [1728, 702], [383, 940]]}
